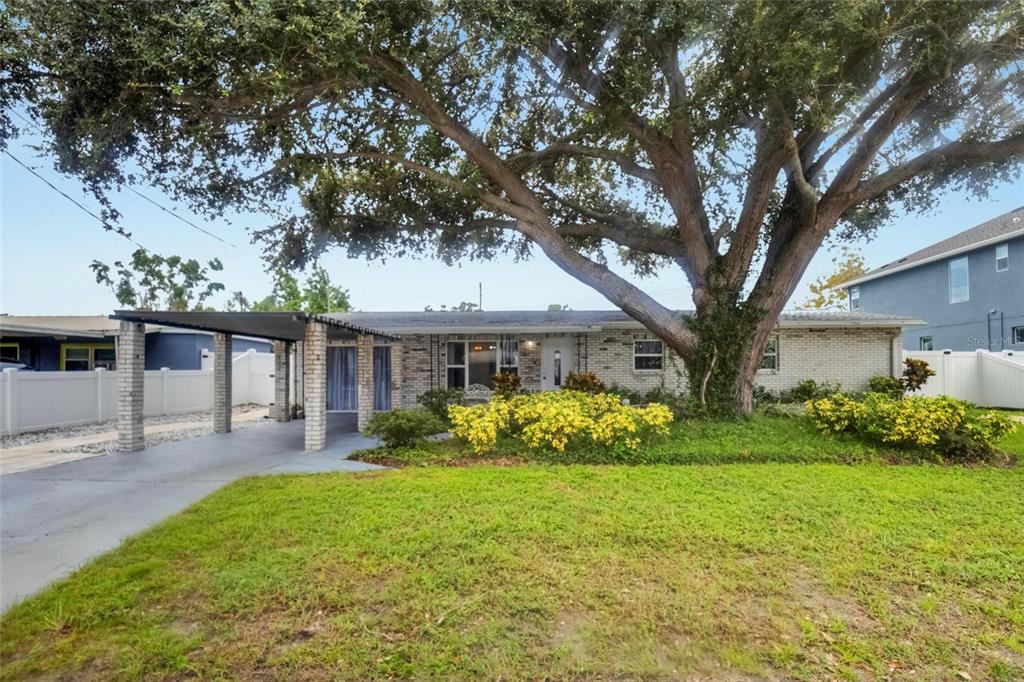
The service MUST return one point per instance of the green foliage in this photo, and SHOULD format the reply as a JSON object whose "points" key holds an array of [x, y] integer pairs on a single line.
{"points": [[885, 384], [808, 389], [151, 281], [915, 374], [461, 307], [506, 384], [318, 295], [587, 382], [948, 427], [828, 291], [402, 428], [438, 400]]}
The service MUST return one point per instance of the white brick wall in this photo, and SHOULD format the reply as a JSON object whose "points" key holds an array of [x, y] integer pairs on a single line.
{"points": [[848, 356]]}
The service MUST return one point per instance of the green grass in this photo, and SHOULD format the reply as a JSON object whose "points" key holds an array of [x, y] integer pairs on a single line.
{"points": [[725, 572], [759, 439]]}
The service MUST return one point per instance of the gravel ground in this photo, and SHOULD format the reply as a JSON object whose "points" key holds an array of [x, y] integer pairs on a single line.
{"points": [[188, 430]]}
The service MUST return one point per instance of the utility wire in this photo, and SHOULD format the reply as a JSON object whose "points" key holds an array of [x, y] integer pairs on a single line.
{"points": [[140, 194], [67, 196]]}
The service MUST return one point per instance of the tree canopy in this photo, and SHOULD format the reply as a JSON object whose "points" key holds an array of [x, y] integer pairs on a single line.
{"points": [[726, 141], [828, 291], [150, 281]]}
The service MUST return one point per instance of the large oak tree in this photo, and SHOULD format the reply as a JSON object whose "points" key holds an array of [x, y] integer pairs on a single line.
{"points": [[720, 142]]}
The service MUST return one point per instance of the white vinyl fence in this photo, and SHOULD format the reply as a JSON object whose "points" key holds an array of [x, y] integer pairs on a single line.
{"points": [[981, 377], [30, 401]]}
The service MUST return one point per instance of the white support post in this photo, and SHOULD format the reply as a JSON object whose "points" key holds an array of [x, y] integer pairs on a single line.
{"points": [[315, 383], [165, 389]]}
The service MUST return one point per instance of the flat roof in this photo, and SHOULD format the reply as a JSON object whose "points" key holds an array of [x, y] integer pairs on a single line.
{"points": [[283, 326], [538, 321]]}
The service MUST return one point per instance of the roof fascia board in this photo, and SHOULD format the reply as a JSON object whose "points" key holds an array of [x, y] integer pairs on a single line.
{"points": [[15, 329], [939, 256]]}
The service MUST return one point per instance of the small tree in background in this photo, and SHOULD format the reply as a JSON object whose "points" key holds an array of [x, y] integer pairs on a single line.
{"points": [[828, 291], [150, 281], [318, 295]]}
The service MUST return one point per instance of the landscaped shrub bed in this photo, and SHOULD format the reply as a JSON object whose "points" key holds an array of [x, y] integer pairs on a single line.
{"points": [[946, 426], [402, 428], [560, 421]]}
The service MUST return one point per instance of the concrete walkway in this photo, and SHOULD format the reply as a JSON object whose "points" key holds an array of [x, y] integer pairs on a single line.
{"points": [[55, 519]]}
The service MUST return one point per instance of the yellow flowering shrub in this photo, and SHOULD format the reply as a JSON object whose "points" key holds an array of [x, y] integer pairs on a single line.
{"points": [[944, 425], [559, 420]]}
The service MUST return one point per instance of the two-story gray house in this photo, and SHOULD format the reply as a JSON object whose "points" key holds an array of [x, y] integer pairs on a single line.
{"points": [[969, 289]]}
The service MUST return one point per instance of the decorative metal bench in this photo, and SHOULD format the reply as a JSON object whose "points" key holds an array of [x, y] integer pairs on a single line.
{"points": [[478, 393]]}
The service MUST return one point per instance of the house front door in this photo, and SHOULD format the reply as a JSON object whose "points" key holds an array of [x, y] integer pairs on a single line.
{"points": [[557, 359]]}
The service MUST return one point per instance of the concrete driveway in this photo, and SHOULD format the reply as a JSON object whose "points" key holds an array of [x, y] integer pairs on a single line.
{"points": [[55, 519]]}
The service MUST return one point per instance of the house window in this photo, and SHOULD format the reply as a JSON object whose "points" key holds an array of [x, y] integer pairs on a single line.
{"points": [[1002, 258], [770, 359], [648, 355], [475, 362], [925, 343], [10, 352], [959, 280], [1017, 334], [854, 298], [82, 357]]}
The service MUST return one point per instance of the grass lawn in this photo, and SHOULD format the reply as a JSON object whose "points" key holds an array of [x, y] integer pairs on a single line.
{"points": [[738, 571]]}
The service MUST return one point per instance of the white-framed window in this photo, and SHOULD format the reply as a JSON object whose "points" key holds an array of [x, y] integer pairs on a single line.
{"points": [[82, 357], [854, 298], [475, 362], [770, 358], [648, 355], [959, 280], [925, 343], [1002, 258], [1017, 334], [10, 351]]}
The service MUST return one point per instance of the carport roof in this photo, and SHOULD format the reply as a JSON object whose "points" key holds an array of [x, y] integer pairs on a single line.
{"points": [[284, 326]]}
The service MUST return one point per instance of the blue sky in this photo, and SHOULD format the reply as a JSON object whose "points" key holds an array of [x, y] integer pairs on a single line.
{"points": [[47, 244]]}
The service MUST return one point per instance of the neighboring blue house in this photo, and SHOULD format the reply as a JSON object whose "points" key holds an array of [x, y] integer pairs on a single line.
{"points": [[968, 288], [86, 342]]}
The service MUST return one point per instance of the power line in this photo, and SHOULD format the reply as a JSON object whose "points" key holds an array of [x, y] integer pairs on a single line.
{"points": [[140, 194], [74, 201]]}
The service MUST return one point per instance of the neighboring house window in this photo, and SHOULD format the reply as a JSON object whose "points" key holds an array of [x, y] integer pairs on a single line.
{"points": [[854, 298], [648, 354], [82, 357], [1017, 334], [925, 343], [10, 352], [1002, 258], [770, 359], [959, 280]]}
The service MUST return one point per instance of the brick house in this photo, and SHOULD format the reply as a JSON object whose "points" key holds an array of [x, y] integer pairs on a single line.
{"points": [[366, 362], [457, 349]]}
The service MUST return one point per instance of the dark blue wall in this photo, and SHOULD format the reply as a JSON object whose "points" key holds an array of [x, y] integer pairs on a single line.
{"points": [[923, 292], [176, 351]]}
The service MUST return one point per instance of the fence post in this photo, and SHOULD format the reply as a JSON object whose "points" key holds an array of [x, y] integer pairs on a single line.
{"points": [[11, 375], [100, 372], [947, 370], [165, 374]]}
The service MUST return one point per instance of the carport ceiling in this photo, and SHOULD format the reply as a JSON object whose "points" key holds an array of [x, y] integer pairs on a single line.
{"points": [[274, 326]]}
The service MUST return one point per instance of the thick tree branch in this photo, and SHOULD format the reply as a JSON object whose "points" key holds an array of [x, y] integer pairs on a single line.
{"points": [[527, 160], [952, 153]]}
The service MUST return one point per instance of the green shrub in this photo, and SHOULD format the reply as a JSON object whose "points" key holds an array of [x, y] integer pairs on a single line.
{"points": [[915, 374], [886, 385], [402, 428], [946, 426], [587, 382], [506, 384], [808, 389], [762, 395], [438, 400]]}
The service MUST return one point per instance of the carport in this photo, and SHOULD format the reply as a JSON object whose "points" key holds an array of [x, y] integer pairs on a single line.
{"points": [[304, 335]]}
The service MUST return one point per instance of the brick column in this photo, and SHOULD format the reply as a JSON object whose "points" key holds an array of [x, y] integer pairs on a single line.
{"points": [[396, 375], [300, 353], [131, 363], [281, 410], [314, 366], [364, 380], [222, 383]]}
